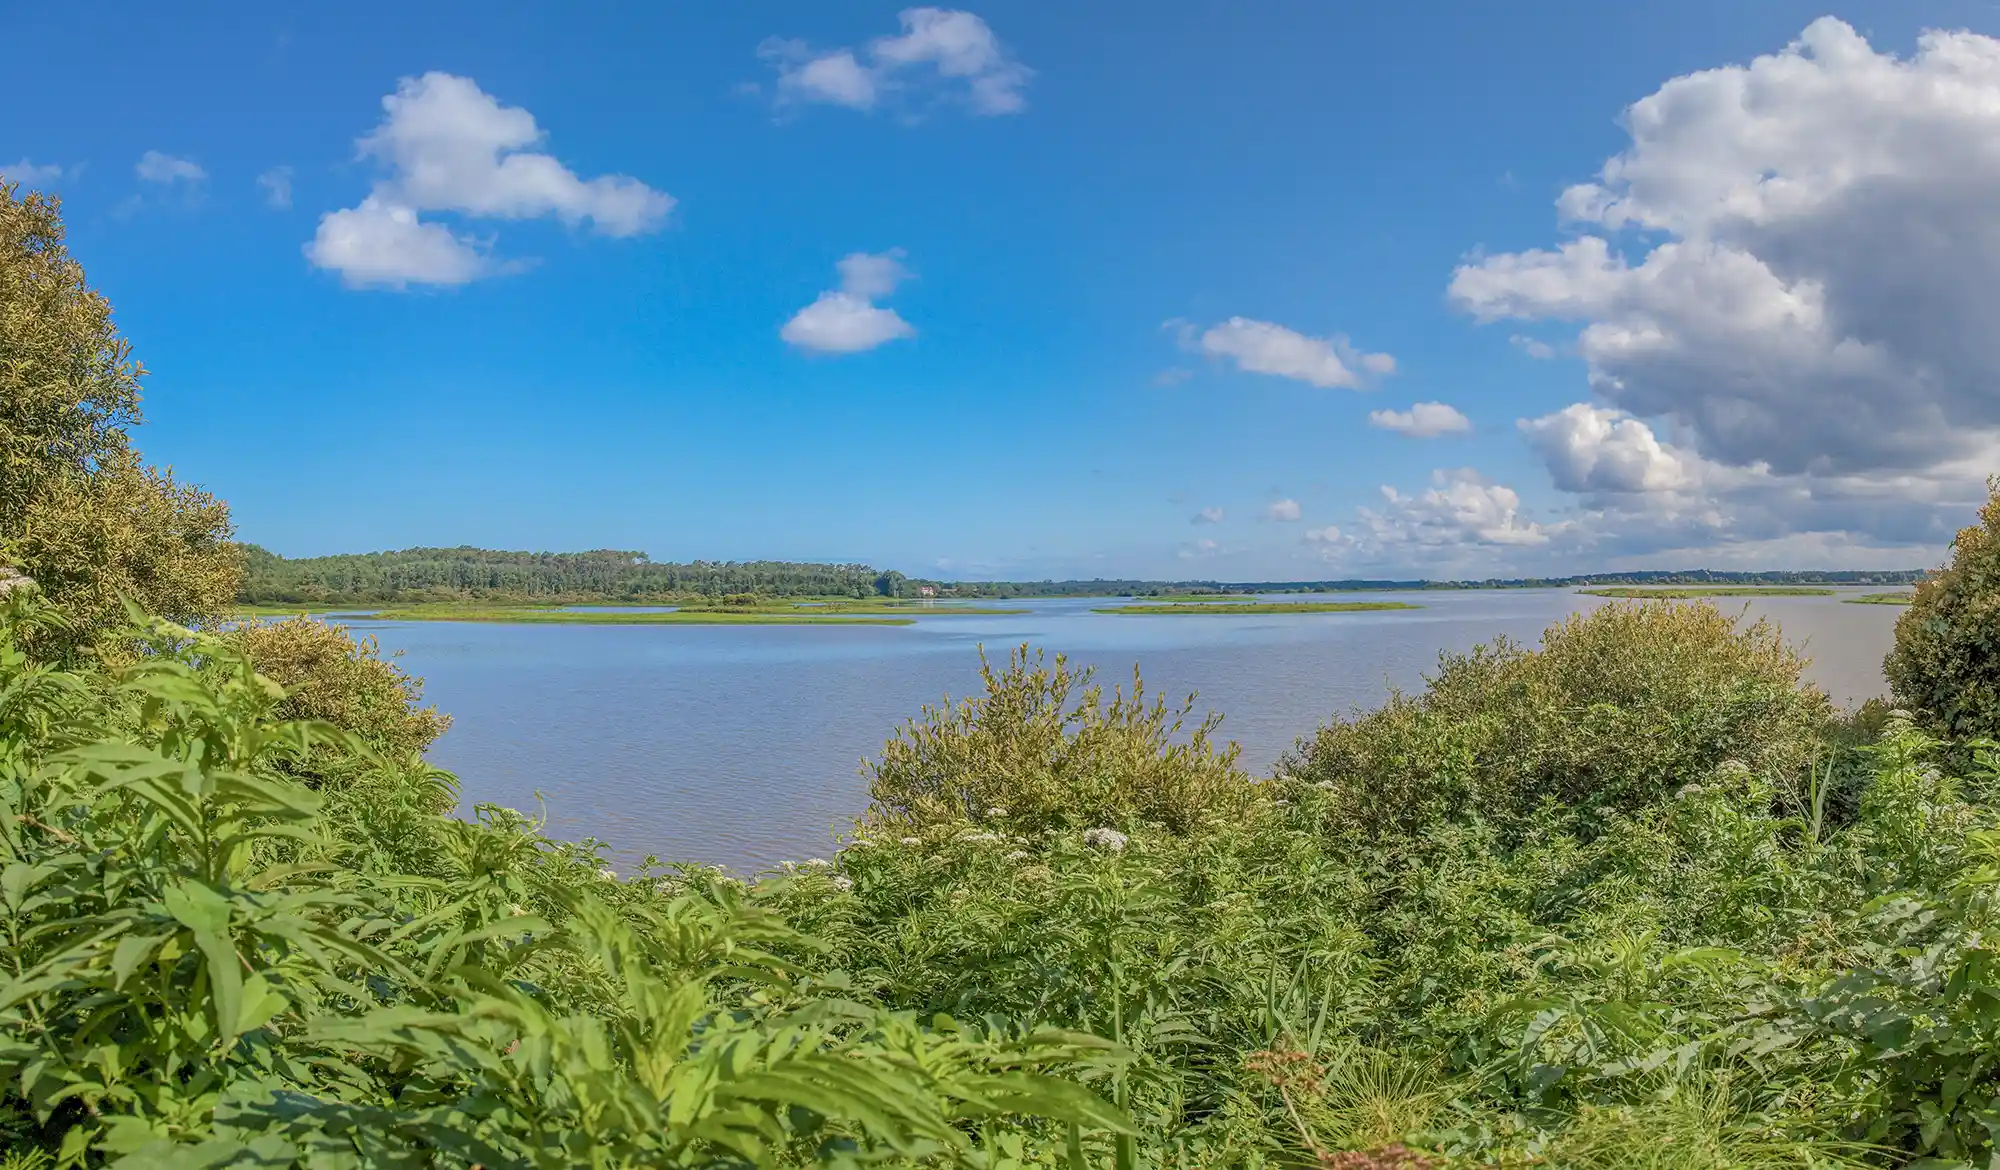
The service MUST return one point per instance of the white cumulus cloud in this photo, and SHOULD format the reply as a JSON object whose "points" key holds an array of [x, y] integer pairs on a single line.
{"points": [[940, 52], [1208, 516], [1824, 276], [445, 145], [1792, 269], [1460, 508], [846, 319], [1284, 511], [836, 78], [1263, 347], [386, 244], [1424, 420], [1592, 449]]}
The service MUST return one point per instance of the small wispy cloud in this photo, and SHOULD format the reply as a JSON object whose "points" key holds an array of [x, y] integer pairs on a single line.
{"points": [[1534, 347], [1265, 347], [1425, 420], [276, 184], [167, 170], [32, 174], [1208, 516], [941, 55]]}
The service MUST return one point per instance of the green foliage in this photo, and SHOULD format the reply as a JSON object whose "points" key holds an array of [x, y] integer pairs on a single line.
{"points": [[207, 964], [1043, 748], [329, 677], [1617, 710], [1946, 661], [79, 513], [204, 962]]}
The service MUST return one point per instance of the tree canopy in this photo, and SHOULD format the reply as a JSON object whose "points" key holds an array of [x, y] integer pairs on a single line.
{"points": [[80, 512], [1944, 666]]}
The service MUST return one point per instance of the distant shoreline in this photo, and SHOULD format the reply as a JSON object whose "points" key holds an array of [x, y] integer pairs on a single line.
{"points": [[486, 577]]}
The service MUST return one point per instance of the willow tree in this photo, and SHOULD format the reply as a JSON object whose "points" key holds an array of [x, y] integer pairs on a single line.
{"points": [[80, 512]]}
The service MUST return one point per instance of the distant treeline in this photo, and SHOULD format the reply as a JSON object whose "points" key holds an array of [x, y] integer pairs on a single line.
{"points": [[433, 574], [416, 574]]}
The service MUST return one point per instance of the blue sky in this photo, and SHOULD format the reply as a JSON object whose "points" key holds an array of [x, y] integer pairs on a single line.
{"points": [[1032, 289]]}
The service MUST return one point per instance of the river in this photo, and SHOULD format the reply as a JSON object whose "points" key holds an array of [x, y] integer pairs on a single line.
{"points": [[743, 745]]}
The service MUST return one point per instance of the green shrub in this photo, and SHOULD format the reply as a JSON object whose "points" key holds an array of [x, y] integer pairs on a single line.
{"points": [[197, 970], [1043, 748], [1618, 709], [1945, 666], [331, 677]]}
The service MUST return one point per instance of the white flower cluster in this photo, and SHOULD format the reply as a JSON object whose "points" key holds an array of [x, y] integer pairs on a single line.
{"points": [[842, 884], [1107, 839], [980, 838]]}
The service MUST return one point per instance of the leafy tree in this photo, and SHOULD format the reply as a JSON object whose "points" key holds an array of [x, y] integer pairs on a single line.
{"points": [[1946, 661], [79, 512]]}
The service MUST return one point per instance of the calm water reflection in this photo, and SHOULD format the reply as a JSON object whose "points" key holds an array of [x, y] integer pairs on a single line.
{"points": [[742, 745]]}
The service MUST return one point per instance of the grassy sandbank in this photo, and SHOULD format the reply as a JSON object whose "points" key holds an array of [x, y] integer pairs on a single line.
{"points": [[1881, 599], [1167, 598]]}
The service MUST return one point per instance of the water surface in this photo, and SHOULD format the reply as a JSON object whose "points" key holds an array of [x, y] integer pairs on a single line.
{"points": [[742, 745]]}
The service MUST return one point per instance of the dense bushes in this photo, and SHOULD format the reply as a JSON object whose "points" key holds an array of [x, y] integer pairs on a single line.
{"points": [[1946, 663], [1042, 748], [330, 677], [202, 960], [205, 964], [1617, 709]]}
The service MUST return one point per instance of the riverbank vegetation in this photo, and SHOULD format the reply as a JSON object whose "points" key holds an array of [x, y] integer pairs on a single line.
{"points": [[424, 576], [1636, 897], [1881, 599], [1561, 905]]}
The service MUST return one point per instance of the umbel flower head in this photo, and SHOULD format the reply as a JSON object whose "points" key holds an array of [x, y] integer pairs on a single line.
{"points": [[1110, 840]]}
